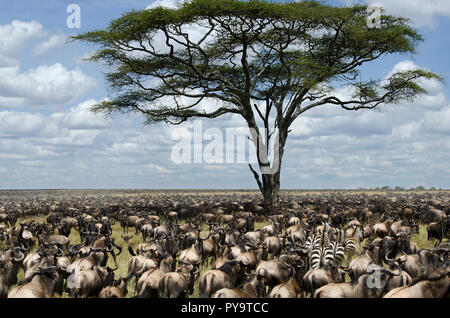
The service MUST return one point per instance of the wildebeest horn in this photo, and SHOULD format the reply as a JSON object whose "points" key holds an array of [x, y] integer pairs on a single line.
{"points": [[347, 269], [397, 273], [118, 247], [97, 250], [303, 263], [386, 258], [20, 258], [302, 250], [285, 262], [440, 249], [145, 249], [72, 251], [22, 246], [59, 252], [49, 268], [109, 247]]}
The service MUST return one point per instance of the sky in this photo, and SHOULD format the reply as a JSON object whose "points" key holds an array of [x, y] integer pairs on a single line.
{"points": [[49, 139]]}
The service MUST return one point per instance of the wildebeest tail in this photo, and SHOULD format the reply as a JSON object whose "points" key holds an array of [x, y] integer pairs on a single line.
{"points": [[165, 293], [130, 276], [208, 285]]}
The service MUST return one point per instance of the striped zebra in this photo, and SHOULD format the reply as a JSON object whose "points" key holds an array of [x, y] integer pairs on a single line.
{"points": [[352, 241], [312, 242], [322, 253], [313, 246], [337, 250], [324, 250], [317, 257]]}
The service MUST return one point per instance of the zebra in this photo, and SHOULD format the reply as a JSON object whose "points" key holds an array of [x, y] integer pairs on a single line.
{"points": [[313, 246], [337, 251], [325, 247], [352, 243], [321, 255], [322, 250], [312, 242], [317, 257]]}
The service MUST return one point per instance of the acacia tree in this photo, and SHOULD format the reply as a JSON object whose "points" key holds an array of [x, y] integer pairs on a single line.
{"points": [[267, 62]]}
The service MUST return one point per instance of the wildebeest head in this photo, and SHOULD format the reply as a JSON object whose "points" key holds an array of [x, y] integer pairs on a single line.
{"points": [[375, 249], [404, 242], [431, 259], [388, 247]]}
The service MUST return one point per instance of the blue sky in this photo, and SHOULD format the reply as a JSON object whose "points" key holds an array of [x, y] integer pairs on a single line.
{"points": [[49, 139]]}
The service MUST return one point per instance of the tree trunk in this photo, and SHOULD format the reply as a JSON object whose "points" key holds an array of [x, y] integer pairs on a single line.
{"points": [[270, 191], [270, 185]]}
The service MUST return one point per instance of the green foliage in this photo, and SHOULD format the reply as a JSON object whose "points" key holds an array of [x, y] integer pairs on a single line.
{"points": [[286, 53]]}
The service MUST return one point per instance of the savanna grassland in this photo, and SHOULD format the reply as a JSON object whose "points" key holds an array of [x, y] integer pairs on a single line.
{"points": [[92, 201]]}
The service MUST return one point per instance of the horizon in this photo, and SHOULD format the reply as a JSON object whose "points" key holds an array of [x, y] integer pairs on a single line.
{"points": [[227, 189], [50, 140]]}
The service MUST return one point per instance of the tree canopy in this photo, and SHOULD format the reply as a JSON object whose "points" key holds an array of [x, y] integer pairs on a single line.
{"points": [[258, 59]]}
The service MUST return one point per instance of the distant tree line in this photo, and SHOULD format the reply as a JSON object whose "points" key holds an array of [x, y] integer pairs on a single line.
{"points": [[398, 188]]}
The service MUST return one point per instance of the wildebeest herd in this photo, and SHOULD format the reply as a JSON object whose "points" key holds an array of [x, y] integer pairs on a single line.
{"points": [[224, 245]]}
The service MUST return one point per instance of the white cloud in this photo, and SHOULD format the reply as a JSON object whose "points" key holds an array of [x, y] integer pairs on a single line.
{"points": [[422, 13], [403, 66], [41, 86], [361, 123], [160, 169], [408, 130], [80, 117], [438, 122], [44, 85], [17, 124], [398, 145], [14, 35], [73, 138], [52, 42], [6, 61], [81, 60], [171, 4], [12, 102], [435, 96], [327, 147], [71, 124]]}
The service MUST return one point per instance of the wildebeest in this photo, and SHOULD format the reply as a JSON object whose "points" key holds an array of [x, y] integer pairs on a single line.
{"points": [[435, 285], [274, 254]]}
